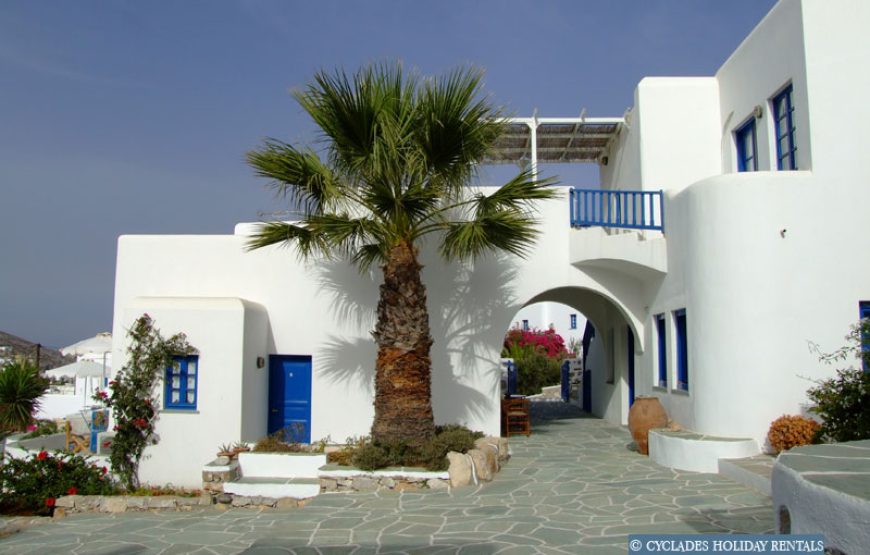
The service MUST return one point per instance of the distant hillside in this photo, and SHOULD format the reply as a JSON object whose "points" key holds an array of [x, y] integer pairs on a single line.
{"points": [[11, 345]]}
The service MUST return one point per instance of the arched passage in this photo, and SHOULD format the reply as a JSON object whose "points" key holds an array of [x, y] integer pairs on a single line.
{"points": [[609, 366]]}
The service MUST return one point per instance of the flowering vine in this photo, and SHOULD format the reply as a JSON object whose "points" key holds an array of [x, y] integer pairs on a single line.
{"points": [[132, 399]]}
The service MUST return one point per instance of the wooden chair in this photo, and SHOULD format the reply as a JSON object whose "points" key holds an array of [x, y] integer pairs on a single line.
{"points": [[516, 419], [76, 443]]}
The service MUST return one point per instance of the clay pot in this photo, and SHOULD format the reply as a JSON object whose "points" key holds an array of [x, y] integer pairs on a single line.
{"points": [[646, 414]]}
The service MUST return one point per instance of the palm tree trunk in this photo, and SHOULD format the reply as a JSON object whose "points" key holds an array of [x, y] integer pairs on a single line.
{"points": [[403, 389]]}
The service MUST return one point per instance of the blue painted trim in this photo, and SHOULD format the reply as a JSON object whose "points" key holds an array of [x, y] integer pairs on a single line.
{"points": [[629, 339], [783, 127], [662, 346], [622, 209], [682, 334], [573, 321], [183, 389], [747, 159], [864, 313]]}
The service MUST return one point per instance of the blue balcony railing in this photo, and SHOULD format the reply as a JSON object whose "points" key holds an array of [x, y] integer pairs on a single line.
{"points": [[621, 209]]}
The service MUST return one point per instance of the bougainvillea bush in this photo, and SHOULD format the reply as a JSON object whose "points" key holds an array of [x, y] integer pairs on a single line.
{"points": [[32, 485], [547, 342], [538, 355], [132, 398]]}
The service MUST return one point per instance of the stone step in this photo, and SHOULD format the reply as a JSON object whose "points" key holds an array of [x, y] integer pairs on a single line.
{"points": [[274, 487], [753, 472]]}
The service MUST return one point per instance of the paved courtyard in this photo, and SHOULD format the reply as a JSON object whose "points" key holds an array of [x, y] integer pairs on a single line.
{"points": [[574, 486]]}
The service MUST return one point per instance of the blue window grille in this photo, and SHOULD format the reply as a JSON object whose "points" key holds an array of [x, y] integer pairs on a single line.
{"points": [[573, 318], [525, 325], [864, 313], [620, 209], [682, 349], [744, 137], [182, 377], [662, 346], [783, 121]]}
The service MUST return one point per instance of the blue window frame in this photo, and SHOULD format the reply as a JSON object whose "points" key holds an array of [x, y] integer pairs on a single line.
{"points": [[573, 321], [784, 128], [744, 137], [682, 349], [662, 346], [864, 313], [180, 391], [525, 325]]}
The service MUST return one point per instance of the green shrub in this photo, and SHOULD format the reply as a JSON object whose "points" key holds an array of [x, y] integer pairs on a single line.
{"points": [[843, 402], [370, 457], [448, 438], [32, 486], [274, 443], [43, 428]]}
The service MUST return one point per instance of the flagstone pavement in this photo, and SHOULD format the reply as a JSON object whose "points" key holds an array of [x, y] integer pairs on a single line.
{"points": [[574, 486]]}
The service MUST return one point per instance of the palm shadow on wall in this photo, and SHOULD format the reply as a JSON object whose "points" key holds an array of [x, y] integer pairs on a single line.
{"points": [[468, 306]]}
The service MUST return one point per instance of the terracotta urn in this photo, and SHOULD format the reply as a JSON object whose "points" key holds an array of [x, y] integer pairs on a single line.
{"points": [[646, 414]]}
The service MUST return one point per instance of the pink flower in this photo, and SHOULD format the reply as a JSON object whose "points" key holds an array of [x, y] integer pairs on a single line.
{"points": [[103, 469], [41, 456], [72, 491], [50, 502]]}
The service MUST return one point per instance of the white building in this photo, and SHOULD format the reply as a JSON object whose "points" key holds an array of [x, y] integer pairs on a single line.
{"points": [[713, 314], [564, 319]]}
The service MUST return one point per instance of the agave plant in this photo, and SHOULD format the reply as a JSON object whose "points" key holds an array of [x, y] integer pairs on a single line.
{"points": [[21, 386]]}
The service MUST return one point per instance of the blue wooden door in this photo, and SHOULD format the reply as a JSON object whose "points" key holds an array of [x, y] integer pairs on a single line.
{"points": [[630, 340], [290, 396]]}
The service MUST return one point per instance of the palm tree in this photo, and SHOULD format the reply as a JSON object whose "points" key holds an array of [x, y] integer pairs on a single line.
{"points": [[21, 386], [399, 153]]}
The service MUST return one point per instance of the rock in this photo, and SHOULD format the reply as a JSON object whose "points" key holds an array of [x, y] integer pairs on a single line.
{"points": [[66, 502], [437, 483], [116, 504], [86, 502], [484, 463], [504, 452], [162, 502], [328, 484], [287, 503], [364, 483], [59, 513], [221, 461], [406, 486], [241, 501], [388, 482], [217, 487], [136, 502], [224, 499], [460, 469], [491, 449], [222, 507]]}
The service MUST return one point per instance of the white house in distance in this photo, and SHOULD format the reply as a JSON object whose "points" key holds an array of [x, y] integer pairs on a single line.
{"points": [[566, 320], [728, 233]]}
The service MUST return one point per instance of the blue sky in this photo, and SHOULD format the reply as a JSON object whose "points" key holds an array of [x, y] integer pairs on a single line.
{"points": [[133, 117]]}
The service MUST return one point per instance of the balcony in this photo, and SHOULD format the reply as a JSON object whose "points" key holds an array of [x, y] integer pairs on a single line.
{"points": [[597, 244], [617, 209]]}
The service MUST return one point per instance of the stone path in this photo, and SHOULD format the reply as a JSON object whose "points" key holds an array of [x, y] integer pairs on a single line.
{"points": [[574, 486]]}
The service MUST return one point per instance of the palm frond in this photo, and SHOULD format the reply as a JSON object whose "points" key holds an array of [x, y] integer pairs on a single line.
{"points": [[298, 175], [519, 193], [512, 231], [286, 234], [455, 125]]}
